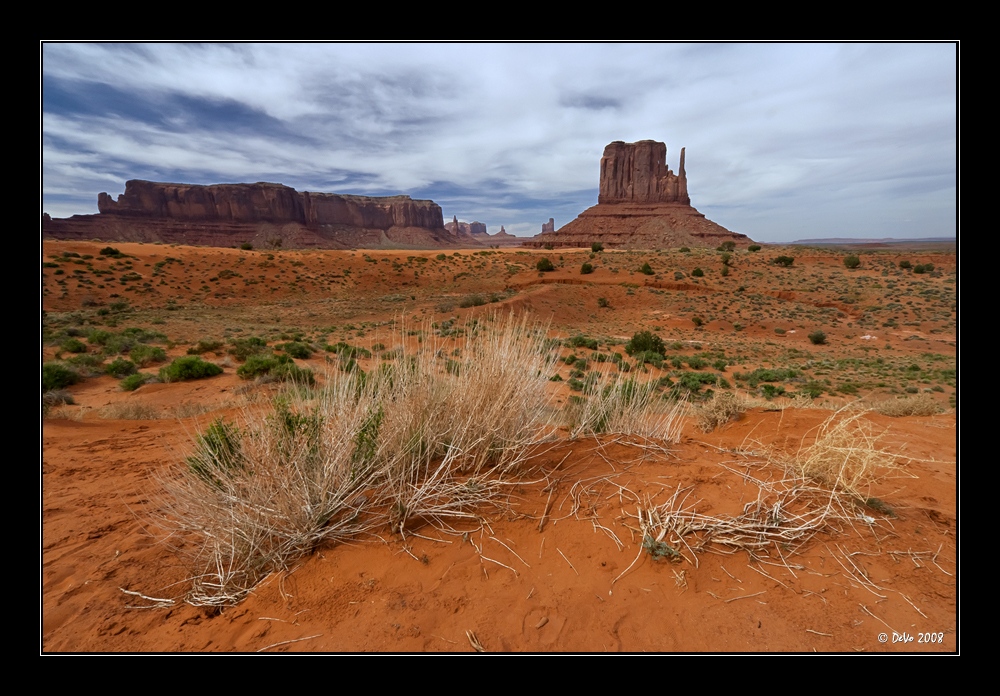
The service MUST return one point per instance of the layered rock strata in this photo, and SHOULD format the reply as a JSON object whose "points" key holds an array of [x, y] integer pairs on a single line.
{"points": [[262, 214], [641, 204]]}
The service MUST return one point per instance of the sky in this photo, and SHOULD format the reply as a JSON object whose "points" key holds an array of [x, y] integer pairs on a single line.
{"points": [[784, 141]]}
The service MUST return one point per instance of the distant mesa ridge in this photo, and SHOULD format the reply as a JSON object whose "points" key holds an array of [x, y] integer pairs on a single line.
{"points": [[641, 204], [265, 202], [264, 214]]}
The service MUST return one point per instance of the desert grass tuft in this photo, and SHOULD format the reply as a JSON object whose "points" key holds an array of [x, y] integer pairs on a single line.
{"points": [[129, 410], [626, 407], [922, 405]]}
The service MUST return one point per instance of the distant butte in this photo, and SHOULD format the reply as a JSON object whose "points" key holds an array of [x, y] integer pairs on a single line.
{"points": [[641, 204], [262, 214], [475, 233]]}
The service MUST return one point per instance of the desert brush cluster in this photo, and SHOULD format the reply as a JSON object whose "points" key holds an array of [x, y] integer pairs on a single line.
{"points": [[423, 440]]}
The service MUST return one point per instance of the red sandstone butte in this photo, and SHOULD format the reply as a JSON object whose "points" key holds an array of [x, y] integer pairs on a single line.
{"points": [[641, 204]]}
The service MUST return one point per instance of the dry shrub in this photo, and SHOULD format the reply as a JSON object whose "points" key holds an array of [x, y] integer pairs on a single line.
{"points": [[845, 455], [725, 407], [412, 443], [256, 496], [922, 405], [787, 514], [129, 410]]}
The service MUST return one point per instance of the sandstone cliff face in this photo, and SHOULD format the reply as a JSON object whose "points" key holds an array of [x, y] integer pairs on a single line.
{"points": [[641, 205], [638, 173], [261, 213]]}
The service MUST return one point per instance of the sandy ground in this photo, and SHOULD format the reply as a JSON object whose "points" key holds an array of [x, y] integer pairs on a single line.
{"points": [[561, 567]]}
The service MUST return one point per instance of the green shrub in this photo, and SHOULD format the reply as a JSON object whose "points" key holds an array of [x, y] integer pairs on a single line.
{"points": [[596, 247], [243, 348], [769, 391], [205, 346], [817, 338], [189, 367], [813, 388], [785, 261], [643, 341], [697, 273], [905, 264], [143, 355], [586, 269], [110, 251], [297, 349], [57, 376], [649, 356], [280, 367], [581, 341], [685, 250], [726, 258], [86, 364], [767, 375], [246, 246], [852, 261], [693, 381], [544, 265], [602, 302], [697, 321], [133, 382], [99, 337], [121, 367], [726, 246], [697, 363], [73, 345], [753, 247], [646, 270]]}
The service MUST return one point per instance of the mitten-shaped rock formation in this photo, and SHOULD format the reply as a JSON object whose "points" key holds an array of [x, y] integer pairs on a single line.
{"points": [[641, 204]]}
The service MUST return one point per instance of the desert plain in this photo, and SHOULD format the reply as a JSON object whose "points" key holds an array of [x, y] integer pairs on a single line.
{"points": [[706, 531]]}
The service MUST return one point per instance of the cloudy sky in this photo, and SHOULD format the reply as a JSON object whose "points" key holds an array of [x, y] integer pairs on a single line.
{"points": [[784, 141]]}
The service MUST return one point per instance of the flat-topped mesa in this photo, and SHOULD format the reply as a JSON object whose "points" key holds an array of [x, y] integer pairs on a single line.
{"points": [[266, 202], [261, 214], [638, 173]]}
